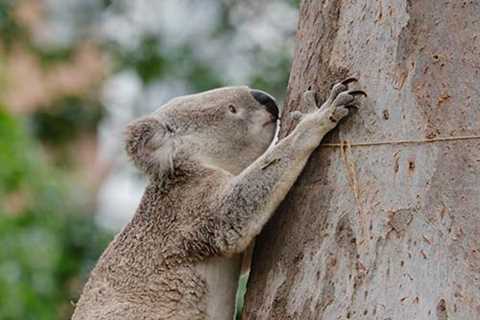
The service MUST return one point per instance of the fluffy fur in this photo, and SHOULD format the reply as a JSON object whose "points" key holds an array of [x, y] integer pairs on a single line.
{"points": [[212, 187]]}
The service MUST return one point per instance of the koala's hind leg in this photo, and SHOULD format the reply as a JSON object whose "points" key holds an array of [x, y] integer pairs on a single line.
{"points": [[251, 198]]}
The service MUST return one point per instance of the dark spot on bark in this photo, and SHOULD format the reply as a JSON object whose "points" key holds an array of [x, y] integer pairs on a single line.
{"points": [[411, 165], [396, 165], [402, 263], [386, 114], [298, 257], [442, 310], [344, 236], [169, 128], [327, 295]]}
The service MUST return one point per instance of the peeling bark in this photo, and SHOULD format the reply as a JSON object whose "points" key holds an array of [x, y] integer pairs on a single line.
{"points": [[384, 231]]}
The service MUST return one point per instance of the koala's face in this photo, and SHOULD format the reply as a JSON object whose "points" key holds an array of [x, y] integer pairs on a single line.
{"points": [[227, 128]]}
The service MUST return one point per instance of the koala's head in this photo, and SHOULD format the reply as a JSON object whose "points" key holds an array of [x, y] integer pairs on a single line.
{"points": [[226, 128]]}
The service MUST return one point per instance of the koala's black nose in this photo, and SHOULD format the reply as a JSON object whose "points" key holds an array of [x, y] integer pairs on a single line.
{"points": [[267, 101]]}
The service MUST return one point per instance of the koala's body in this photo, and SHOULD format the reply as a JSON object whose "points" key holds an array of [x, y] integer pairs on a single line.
{"points": [[212, 186]]}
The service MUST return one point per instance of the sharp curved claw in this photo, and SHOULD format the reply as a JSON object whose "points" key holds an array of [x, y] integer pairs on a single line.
{"points": [[357, 92], [349, 80]]}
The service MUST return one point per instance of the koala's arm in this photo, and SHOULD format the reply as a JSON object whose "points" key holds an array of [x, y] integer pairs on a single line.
{"points": [[252, 196]]}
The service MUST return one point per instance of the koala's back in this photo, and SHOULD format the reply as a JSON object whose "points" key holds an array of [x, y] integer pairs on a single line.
{"points": [[147, 271]]}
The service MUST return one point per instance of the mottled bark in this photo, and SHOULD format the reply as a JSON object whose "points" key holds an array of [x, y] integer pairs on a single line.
{"points": [[383, 231]]}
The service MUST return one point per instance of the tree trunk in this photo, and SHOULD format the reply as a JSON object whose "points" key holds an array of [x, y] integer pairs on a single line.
{"points": [[389, 230]]}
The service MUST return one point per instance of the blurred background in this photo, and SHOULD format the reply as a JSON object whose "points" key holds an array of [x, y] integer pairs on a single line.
{"points": [[72, 74]]}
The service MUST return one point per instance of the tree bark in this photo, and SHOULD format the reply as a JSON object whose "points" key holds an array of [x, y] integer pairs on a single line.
{"points": [[382, 231]]}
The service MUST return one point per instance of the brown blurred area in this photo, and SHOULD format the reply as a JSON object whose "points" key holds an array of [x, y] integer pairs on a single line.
{"points": [[29, 86]]}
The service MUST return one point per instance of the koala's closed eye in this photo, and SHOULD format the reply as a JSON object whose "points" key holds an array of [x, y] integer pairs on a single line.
{"points": [[232, 108]]}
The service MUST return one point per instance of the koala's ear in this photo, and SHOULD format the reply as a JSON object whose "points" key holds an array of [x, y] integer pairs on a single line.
{"points": [[150, 145]]}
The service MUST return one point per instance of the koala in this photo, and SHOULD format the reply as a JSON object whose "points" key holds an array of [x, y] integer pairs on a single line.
{"points": [[215, 178]]}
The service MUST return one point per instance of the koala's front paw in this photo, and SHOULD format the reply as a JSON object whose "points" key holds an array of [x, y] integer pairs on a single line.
{"points": [[337, 106], [339, 102]]}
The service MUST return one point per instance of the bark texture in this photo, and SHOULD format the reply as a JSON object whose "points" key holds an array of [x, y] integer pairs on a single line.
{"points": [[383, 231]]}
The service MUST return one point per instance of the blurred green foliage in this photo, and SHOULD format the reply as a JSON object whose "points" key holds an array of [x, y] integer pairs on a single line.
{"points": [[47, 241], [65, 119], [152, 62], [10, 30]]}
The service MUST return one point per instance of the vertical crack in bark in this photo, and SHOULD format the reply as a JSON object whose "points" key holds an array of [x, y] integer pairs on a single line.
{"points": [[350, 167], [327, 296], [312, 56]]}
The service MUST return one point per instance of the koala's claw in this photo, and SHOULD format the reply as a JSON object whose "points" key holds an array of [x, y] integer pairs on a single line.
{"points": [[336, 90], [349, 80], [352, 106], [348, 97], [357, 92], [343, 99]]}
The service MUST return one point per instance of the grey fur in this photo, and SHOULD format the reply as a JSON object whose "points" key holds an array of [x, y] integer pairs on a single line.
{"points": [[212, 188]]}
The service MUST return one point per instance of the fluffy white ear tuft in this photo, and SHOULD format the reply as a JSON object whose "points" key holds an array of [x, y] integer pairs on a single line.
{"points": [[150, 145]]}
